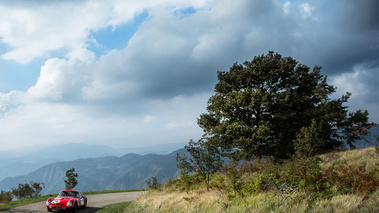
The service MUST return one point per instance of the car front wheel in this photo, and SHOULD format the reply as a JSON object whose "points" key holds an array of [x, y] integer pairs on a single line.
{"points": [[75, 208]]}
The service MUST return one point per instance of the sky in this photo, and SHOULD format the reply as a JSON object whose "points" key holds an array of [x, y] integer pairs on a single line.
{"points": [[140, 73]]}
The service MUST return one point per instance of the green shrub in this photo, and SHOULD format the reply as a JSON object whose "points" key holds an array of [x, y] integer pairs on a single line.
{"points": [[152, 183], [218, 181], [303, 174], [184, 183], [28, 190], [233, 174], [253, 184], [5, 196]]}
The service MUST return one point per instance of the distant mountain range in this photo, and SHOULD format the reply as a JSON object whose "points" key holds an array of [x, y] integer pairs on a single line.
{"points": [[130, 171], [23, 161]]}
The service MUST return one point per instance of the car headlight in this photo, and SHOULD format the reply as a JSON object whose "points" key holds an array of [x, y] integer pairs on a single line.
{"points": [[48, 202], [69, 204]]}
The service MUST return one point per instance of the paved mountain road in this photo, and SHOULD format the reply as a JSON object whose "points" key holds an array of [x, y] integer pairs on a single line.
{"points": [[95, 202]]}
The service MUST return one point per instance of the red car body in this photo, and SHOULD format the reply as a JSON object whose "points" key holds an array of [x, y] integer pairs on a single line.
{"points": [[69, 200]]}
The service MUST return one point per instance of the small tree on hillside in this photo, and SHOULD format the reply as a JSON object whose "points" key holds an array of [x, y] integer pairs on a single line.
{"points": [[185, 168], [152, 183], [204, 159], [71, 181]]}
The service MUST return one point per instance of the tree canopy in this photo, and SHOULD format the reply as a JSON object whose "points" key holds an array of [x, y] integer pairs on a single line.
{"points": [[273, 106], [71, 181]]}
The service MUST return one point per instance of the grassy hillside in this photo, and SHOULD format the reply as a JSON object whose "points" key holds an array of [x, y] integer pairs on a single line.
{"points": [[344, 181]]}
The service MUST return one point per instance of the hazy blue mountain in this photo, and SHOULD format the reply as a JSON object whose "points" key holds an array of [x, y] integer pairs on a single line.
{"points": [[130, 171], [374, 133], [20, 162], [16, 153], [10, 167], [156, 149]]}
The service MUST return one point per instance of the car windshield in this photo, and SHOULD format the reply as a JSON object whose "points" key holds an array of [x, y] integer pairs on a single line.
{"points": [[68, 194]]}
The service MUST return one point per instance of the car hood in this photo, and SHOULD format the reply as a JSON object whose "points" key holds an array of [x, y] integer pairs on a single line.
{"points": [[62, 199]]}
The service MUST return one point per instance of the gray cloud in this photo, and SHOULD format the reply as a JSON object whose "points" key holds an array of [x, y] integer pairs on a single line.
{"points": [[170, 55], [358, 16], [156, 87]]}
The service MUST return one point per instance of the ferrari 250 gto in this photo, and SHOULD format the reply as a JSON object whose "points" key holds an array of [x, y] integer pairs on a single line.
{"points": [[70, 200]]}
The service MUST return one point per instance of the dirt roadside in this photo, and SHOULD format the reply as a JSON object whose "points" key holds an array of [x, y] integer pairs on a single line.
{"points": [[95, 202]]}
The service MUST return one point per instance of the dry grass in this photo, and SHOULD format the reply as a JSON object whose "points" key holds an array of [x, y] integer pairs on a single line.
{"points": [[367, 157], [214, 201], [160, 201], [339, 203], [164, 201]]}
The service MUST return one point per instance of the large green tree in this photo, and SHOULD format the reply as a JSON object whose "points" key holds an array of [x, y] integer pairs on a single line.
{"points": [[271, 105]]}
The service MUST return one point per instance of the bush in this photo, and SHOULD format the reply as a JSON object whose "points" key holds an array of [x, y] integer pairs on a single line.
{"points": [[348, 179], [152, 183], [28, 190], [233, 173], [299, 174], [302, 173], [5, 196]]}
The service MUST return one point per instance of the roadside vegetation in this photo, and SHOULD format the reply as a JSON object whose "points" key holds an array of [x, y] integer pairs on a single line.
{"points": [[25, 201], [24, 193], [344, 181], [116, 208]]}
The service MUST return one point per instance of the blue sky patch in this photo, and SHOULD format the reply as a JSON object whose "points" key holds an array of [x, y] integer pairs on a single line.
{"points": [[16, 76], [116, 37], [185, 12]]}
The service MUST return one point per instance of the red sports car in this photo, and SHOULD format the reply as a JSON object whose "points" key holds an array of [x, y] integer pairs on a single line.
{"points": [[67, 200]]}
